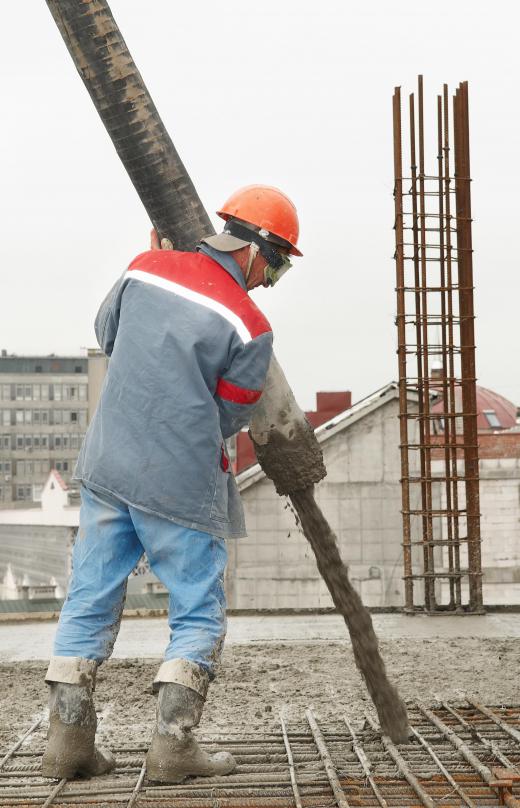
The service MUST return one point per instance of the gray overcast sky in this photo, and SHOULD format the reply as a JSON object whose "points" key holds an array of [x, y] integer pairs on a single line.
{"points": [[295, 94]]}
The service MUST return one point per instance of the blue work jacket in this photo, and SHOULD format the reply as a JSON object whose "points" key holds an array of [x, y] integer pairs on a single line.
{"points": [[189, 353]]}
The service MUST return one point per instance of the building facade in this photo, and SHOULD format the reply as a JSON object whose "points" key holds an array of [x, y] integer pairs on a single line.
{"points": [[45, 408]]}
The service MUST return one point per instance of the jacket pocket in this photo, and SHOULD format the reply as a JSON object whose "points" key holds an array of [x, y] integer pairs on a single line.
{"points": [[219, 506]]}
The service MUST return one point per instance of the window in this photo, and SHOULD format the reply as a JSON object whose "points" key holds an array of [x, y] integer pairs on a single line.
{"points": [[66, 416], [75, 441], [27, 392], [6, 417], [36, 392], [19, 417], [57, 441], [57, 416], [6, 392], [74, 417], [28, 416], [24, 468], [64, 441], [19, 392], [23, 492], [37, 493], [45, 392], [44, 416], [78, 369], [36, 441], [19, 441], [82, 417], [70, 392], [492, 419], [57, 392], [5, 468], [36, 416], [28, 441], [44, 441], [5, 441], [82, 392]]}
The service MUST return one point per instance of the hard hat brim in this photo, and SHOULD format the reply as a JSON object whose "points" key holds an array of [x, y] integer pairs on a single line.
{"points": [[225, 242]]}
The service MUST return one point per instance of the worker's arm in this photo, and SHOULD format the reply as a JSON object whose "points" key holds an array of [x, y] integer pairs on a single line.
{"points": [[240, 385], [107, 318]]}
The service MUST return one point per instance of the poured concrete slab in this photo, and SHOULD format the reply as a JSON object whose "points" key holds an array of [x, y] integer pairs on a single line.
{"points": [[147, 638]]}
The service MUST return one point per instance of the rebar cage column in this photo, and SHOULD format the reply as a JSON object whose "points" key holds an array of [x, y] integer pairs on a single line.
{"points": [[436, 359]]}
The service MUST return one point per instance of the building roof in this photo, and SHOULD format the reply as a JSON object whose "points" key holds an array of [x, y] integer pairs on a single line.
{"points": [[487, 402], [43, 364], [341, 421], [493, 410]]}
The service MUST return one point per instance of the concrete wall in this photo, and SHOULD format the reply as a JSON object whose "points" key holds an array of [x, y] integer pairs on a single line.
{"points": [[361, 497], [500, 529]]}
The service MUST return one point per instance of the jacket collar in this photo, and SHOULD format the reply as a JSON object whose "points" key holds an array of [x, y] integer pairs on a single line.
{"points": [[226, 261]]}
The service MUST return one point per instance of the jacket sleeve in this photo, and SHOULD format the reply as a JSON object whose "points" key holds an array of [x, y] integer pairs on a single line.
{"points": [[240, 385], [107, 318]]}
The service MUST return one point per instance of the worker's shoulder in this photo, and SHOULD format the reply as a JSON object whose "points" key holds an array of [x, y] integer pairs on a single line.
{"points": [[207, 281]]}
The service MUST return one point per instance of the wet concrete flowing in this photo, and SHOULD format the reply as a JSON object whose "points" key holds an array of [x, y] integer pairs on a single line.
{"points": [[390, 707]]}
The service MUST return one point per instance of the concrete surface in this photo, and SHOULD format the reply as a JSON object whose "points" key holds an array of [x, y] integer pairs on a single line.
{"points": [[145, 638]]}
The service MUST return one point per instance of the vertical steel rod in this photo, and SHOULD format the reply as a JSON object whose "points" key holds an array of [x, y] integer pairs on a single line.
{"points": [[290, 761], [464, 797], [401, 350], [365, 764], [135, 793], [450, 423], [468, 369], [54, 793], [418, 337], [402, 765], [444, 350], [429, 581], [20, 741], [339, 795]]}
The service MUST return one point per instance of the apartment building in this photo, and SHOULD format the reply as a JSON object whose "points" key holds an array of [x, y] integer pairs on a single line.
{"points": [[45, 408]]}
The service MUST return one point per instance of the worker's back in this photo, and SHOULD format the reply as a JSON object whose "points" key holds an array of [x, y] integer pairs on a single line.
{"points": [[178, 328]]}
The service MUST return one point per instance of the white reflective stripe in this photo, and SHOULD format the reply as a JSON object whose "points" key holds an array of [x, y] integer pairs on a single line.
{"points": [[195, 297]]}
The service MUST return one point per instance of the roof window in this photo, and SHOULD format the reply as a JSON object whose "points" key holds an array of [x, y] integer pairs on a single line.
{"points": [[492, 419]]}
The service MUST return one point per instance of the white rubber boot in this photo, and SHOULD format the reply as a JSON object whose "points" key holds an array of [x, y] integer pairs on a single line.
{"points": [[71, 751], [174, 753]]}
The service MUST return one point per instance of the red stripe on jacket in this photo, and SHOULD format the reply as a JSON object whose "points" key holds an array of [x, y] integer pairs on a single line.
{"points": [[202, 274], [238, 395]]}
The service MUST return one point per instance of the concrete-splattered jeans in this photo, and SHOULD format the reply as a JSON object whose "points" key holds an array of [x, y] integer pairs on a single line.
{"points": [[111, 539]]}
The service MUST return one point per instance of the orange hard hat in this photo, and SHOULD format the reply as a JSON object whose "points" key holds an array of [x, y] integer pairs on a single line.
{"points": [[266, 208]]}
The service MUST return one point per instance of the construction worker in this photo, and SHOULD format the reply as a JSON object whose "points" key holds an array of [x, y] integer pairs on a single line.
{"points": [[189, 353]]}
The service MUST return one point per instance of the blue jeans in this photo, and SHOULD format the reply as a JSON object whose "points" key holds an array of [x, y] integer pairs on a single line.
{"points": [[111, 539]]}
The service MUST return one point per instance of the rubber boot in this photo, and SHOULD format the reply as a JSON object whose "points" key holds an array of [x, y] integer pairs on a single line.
{"points": [[70, 750], [174, 753]]}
